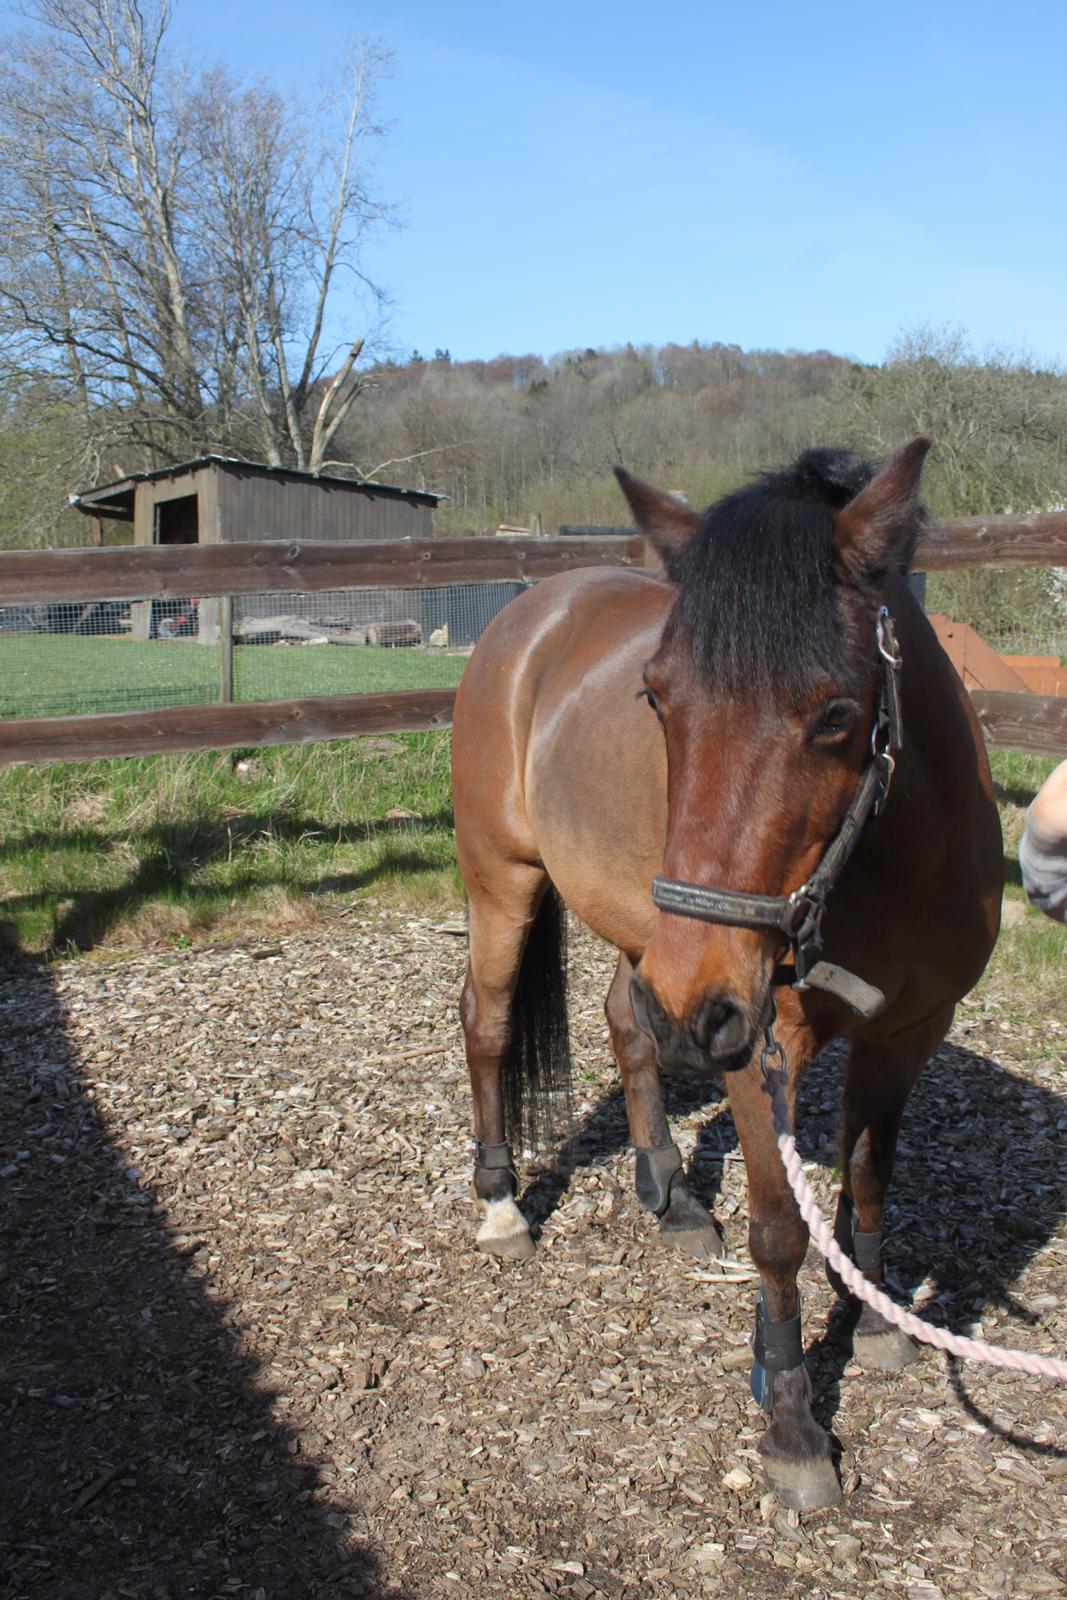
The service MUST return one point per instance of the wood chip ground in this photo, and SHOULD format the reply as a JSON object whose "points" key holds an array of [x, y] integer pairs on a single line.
{"points": [[249, 1348]]}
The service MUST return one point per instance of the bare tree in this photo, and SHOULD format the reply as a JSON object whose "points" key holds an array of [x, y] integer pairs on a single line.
{"points": [[288, 211], [175, 246], [93, 268], [998, 420]]}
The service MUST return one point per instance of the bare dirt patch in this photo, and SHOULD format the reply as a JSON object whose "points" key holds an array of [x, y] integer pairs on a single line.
{"points": [[251, 1350]]}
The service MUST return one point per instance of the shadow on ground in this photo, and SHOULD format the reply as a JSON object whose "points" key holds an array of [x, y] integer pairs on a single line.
{"points": [[980, 1188], [141, 1456], [173, 857], [602, 1131]]}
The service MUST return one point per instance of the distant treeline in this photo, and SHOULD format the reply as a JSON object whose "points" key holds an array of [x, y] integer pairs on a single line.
{"points": [[522, 438]]}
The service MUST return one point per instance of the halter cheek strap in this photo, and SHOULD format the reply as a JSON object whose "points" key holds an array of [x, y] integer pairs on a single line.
{"points": [[798, 916]]}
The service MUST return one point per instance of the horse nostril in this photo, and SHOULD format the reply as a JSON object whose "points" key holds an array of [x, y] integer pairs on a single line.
{"points": [[718, 1021], [649, 1012]]}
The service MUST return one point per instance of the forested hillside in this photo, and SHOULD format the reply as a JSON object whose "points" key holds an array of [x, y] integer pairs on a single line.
{"points": [[520, 437], [523, 438]]}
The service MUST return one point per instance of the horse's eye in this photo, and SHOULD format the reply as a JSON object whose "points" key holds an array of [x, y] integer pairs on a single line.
{"points": [[646, 694], [835, 721]]}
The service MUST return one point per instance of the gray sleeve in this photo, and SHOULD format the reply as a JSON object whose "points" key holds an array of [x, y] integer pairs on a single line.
{"points": [[1043, 864]]}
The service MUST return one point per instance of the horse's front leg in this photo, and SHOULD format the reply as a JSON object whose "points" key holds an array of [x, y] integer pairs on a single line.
{"points": [[661, 1187], [796, 1452]]}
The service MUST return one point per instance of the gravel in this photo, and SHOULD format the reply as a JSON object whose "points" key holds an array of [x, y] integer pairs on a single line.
{"points": [[251, 1350]]}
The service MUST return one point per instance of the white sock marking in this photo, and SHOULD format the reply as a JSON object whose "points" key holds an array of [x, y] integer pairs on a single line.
{"points": [[503, 1220]]}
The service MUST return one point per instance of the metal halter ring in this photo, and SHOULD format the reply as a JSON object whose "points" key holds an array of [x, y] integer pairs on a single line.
{"points": [[893, 656], [799, 894], [772, 1049]]}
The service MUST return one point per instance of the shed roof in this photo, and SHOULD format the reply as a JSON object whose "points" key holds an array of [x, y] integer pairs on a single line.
{"points": [[116, 499]]}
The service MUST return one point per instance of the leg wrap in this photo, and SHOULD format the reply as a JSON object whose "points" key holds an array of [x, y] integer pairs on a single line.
{"points": [[654, 1173], [496, 1158], [865, 1249], [777, 1347]]}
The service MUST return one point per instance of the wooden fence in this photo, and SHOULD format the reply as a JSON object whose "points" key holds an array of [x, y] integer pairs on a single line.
{"points": [[1032, 723], [167, 572]]}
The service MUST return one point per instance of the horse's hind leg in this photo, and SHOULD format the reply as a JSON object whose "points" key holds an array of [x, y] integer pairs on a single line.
{"points": [[661, 1188], [499, 925], [878, 1080]]}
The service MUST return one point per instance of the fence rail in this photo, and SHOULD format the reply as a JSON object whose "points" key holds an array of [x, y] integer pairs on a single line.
{"points": [[1035, 541], [1036, 724], [220, 727], [166, 572], [163, 572], [1019, 722]]}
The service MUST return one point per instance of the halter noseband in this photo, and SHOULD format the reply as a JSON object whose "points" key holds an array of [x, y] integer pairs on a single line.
{"points": [[798, 916]]}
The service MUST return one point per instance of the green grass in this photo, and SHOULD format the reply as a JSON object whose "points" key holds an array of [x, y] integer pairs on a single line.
{"points": [[172, 849], [1029, 965], [44, 675]]}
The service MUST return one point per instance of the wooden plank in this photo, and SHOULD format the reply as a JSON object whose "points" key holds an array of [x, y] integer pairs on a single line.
{"points": [[219, 727], [976, 662], [1036, 541], [1040, 674], [133, 572], [1033, 723]]}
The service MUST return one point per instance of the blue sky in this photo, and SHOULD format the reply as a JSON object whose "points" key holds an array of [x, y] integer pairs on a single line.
{"points": [[797, 175]]}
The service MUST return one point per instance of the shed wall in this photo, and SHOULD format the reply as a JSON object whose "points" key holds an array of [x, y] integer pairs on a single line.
{"points": [[254, 507]]}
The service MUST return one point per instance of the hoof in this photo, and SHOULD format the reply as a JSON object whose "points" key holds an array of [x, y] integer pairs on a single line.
{"points": [[884, 1349], [795, 1451], [686, 1225], [802, 1485], [703, 1244], [504, 1232]]}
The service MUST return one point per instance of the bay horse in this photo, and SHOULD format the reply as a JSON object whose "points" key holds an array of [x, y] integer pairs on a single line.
{"points": [[700, 765]]}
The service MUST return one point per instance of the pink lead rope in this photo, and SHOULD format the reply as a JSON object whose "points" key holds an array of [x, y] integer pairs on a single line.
{"points": [[907, 1321]]}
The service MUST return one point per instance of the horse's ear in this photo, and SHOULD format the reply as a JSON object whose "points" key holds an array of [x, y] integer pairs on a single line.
{"points": [[662, 517], [876, 529]]}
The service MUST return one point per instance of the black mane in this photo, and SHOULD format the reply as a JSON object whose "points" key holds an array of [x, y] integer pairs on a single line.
{"points": [[757, 596]]}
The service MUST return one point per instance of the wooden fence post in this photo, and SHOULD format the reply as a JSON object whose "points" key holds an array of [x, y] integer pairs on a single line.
{"points": [[226, 649]]}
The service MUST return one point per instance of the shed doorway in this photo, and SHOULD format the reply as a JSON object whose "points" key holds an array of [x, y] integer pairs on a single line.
{"points": [[178, 521]]}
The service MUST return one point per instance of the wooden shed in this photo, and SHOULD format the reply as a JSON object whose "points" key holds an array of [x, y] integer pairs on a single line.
{"points": [[218, 500]]}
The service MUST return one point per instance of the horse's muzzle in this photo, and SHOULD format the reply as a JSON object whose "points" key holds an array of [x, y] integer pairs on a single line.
{"points": [[718, 1036]]}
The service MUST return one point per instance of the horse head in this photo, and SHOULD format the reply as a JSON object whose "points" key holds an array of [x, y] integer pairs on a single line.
{"points": [[766, 683]]}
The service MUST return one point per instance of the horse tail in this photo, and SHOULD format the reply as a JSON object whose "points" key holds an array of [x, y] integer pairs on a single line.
{"points": [[536, 1069]]}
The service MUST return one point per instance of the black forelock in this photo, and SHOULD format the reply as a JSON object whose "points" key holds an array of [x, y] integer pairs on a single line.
{"points": [[757, 596]]}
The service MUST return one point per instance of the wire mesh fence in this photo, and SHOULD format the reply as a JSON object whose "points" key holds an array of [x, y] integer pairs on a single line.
{"points": [[69, 658]]}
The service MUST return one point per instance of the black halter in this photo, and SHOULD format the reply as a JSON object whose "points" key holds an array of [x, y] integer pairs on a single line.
{"points": [[798, 916]]}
